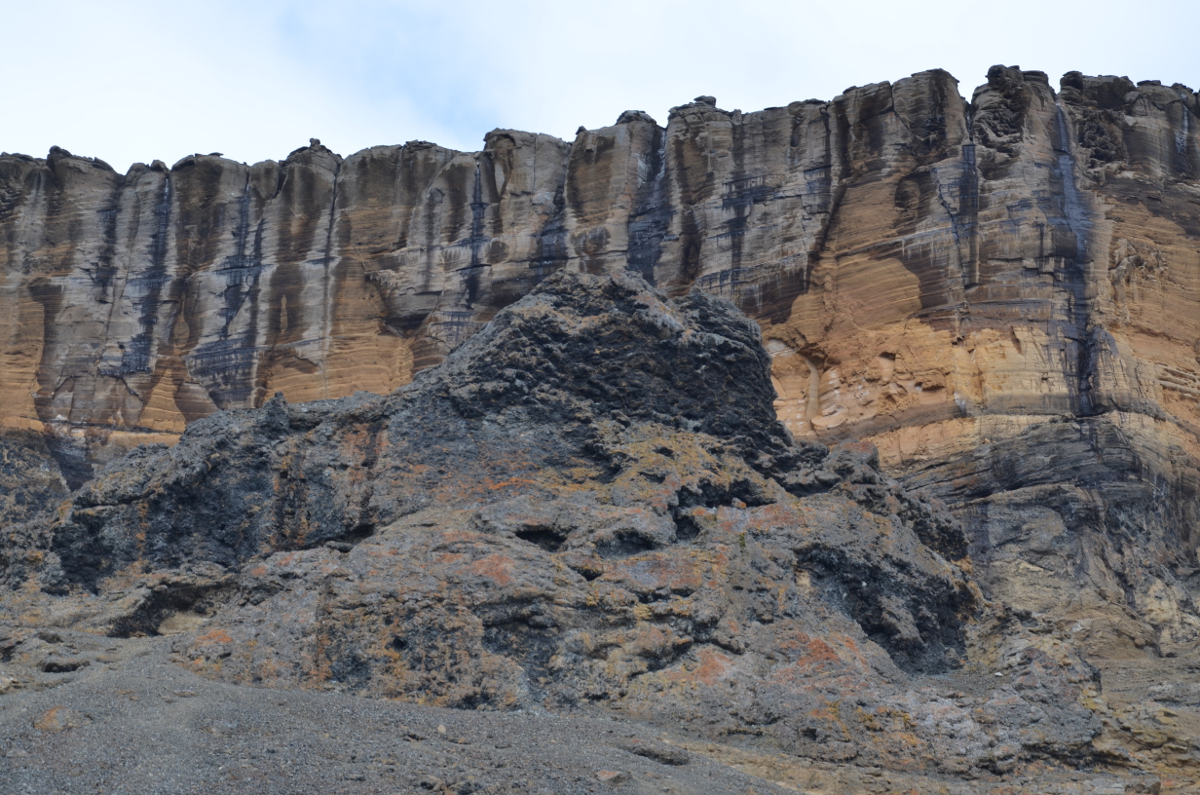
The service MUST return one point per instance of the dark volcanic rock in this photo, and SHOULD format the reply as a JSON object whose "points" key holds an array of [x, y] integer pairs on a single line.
{"points": [[545, 388], [589, 503], [30, 480]]}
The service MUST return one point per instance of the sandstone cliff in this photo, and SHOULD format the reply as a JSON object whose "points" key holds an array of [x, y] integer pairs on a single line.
{"points": [[962, 283], [1000, 294], [135, 304]]}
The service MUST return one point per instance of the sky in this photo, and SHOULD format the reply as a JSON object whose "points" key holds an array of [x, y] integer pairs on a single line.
{"points": [[131, 80]]}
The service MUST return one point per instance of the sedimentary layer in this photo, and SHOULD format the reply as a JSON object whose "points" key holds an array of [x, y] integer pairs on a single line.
{"points": [[999, 293], [136, 303]]}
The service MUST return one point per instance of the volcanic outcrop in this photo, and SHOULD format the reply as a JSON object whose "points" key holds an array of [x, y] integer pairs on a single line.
{"points": [[998, 295], [589, 502]]}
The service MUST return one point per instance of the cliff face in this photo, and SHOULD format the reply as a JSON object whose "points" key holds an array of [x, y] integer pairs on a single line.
{"points": [[590, 502], [1000, 294]]}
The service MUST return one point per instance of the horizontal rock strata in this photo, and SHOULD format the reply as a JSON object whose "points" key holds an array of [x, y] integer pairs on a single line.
{"points": [[1000, 294]]}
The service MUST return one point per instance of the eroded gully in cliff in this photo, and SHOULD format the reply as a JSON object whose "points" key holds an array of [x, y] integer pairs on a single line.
{"points": [[1078, 223]]}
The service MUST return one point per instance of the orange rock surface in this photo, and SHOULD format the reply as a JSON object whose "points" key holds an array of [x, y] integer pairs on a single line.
{"points": [[1000, 293]]}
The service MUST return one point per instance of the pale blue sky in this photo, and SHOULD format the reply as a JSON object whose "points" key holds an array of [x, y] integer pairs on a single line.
{"points": [[129, 80]]}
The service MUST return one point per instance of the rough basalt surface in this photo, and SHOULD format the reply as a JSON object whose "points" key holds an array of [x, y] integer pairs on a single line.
{"points": [[998, 294], [589, 505]]}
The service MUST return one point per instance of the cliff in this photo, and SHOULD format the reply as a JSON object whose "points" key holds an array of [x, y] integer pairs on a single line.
{"points": [[1000, 294], [961, 283], [589, 503]]}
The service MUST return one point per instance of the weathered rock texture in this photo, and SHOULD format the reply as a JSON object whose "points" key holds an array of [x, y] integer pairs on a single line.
{"points": [[1001, 294], [589, 502], [135, 304]]}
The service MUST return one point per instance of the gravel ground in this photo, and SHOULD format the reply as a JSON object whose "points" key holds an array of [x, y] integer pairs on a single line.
{"points": [[131, 722]]}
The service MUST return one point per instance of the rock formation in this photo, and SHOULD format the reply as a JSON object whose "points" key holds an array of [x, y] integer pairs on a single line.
{"points": [[999, 294], [589, 502]]}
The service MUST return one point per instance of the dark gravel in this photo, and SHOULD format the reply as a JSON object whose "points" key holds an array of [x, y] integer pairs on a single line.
{"points": [[134, 722]]}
